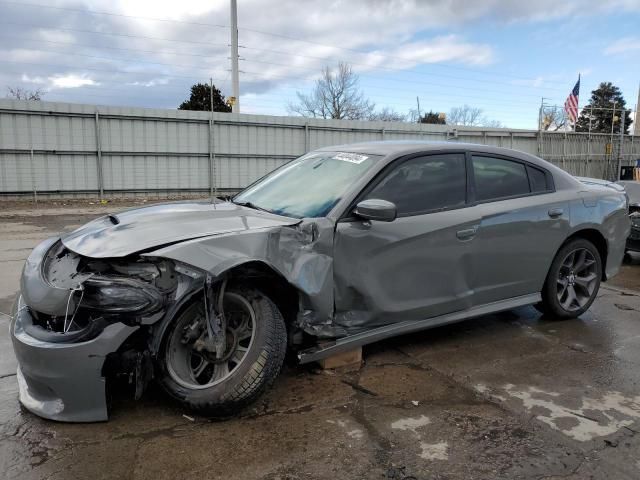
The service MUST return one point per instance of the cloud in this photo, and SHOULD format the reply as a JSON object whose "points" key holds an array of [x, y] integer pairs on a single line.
{"points": [[150, 83], [449, 48], [35, 80], [623, 45], [66, 81], [153, 63], [71, 81]]}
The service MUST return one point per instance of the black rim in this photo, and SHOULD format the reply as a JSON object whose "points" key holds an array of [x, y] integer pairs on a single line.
{"points": [[198, 369]]}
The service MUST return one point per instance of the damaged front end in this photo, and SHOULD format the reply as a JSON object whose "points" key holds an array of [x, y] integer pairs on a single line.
{"points": [[97, 305], [74, 326]]}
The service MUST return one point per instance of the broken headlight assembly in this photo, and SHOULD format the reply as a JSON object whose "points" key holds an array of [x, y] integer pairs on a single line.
{"points": [[91, 293], [119, 295]]}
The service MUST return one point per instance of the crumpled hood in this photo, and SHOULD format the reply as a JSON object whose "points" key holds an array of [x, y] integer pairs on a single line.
{"points": [[131, 231]]}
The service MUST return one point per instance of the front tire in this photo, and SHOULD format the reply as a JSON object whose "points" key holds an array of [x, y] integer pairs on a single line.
{"points": [[256, 346], [573, 280]]}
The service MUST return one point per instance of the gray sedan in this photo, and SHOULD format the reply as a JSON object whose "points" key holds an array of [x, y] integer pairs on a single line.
{"points": [[339, 248]]}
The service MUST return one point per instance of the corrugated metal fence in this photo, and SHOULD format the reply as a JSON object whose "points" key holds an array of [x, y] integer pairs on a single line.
{"points": [[67, 149]]}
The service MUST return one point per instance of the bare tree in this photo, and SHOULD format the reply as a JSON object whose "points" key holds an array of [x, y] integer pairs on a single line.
{"points": [[554, 118], [471, 117], [335, 95], [388, 114], [20, 93], [465, 115], [486, 122]]}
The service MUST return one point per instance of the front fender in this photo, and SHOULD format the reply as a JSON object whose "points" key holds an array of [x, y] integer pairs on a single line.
{"points": [[301, 254]]}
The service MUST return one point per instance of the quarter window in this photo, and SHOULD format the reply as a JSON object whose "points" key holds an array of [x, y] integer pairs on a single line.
{"points": [[498, 178], [423, 184], [538, 179]]}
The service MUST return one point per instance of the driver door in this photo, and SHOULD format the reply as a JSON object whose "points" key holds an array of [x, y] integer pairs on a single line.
{"points": [[418, 265]]}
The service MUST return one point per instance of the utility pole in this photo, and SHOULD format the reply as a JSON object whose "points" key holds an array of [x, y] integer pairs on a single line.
{"points": [[613, 119], [636, 119], [621, 146], [419, 116], [213, 180], [540, 129], [235, 77], [612, 175]]}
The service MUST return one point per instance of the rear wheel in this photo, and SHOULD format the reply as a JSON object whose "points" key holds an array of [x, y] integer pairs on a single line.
{"points": [[255, 347], [573, 280]]}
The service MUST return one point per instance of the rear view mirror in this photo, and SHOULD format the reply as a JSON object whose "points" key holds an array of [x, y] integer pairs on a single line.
{"points": [[374, 209]]}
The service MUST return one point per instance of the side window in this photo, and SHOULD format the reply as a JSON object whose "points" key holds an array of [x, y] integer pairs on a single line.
{"points": [[422, 184], [537, 179], [497, 178]]}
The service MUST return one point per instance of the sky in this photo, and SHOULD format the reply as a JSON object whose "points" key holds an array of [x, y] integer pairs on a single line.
{"points": [[499, 55]]}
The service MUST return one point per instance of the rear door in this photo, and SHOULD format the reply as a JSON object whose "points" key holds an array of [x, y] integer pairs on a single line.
{"points": [[522, 224], [416, 266]]}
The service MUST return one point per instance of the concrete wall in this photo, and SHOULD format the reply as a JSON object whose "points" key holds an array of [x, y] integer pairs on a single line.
{"points": [[71, 149]]}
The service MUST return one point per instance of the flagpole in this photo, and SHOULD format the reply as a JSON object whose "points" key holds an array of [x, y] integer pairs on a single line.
{"points": [[577, 105]]}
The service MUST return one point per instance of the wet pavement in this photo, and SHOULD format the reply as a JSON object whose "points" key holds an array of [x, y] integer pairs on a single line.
{"points": [[511, 396]]}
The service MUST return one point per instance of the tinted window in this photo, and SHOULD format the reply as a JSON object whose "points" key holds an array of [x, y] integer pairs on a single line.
{"points": [[423, 184], [538, 180], [497, 178]]}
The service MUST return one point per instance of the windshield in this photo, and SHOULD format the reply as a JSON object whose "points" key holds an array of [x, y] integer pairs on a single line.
{"points": [[309, 186]]}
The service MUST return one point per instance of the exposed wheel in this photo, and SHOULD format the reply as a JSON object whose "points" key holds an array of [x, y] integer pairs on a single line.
{"points": [[573, 280], [256, 342]]}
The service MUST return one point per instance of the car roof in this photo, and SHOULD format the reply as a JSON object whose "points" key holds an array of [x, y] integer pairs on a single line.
{"points": [[406, 147], [397, 148], [392, 149]]}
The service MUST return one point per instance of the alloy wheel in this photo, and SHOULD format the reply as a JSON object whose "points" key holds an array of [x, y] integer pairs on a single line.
{"points": [[577, 279]]}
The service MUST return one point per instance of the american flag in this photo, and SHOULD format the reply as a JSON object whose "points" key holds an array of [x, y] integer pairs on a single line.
{"points": [[571, 103]]}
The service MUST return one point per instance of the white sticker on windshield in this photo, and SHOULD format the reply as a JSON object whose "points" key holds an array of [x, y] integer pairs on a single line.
{"points": [[350, 157]]}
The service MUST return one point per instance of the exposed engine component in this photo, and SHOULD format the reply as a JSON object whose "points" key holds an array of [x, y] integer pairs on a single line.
{"points": [[102, 289]]}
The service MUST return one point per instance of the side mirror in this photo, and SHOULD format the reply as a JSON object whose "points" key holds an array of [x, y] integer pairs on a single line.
{"points": [[374, 209]]}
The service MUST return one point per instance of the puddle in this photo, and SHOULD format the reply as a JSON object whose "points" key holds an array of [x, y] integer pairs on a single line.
{"points": [[434, 451], [595, 416], [411, 424]]}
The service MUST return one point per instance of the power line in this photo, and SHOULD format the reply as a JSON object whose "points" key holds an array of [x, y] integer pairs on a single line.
{"points": [[255, 61], [261, 32], [112, 14], [287, 77], [126, 35], [76, 68], [260, 101], [262, 105], [132, 60], [56, 42], [399, 69], [403, 80], [387, 79]]}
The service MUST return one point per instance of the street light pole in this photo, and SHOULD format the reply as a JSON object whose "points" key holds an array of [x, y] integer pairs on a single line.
{"points": [[235, 77]]}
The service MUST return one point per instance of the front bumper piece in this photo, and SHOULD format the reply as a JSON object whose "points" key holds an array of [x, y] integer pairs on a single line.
{"points": [[59, 380], [63, 381]]}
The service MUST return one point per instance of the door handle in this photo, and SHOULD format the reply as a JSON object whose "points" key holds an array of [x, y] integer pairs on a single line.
{"points": [[555, 212], [467, 233]]}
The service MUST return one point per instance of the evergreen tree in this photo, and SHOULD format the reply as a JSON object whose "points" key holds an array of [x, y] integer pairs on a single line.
{"points": [[600, 112], [432, 117], [200, 99]]}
